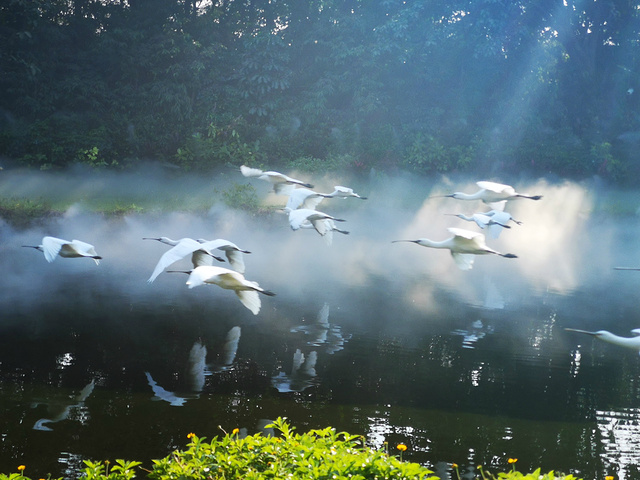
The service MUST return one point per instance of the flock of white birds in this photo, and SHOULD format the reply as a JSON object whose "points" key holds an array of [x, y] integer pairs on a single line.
{"points": [[301, 208]]}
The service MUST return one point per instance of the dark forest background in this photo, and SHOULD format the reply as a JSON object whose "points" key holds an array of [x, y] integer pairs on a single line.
{"points": [[491, 86]]}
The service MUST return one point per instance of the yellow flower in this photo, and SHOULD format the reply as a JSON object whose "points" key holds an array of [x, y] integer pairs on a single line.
{"points": [[402, 447], [454, 465], [21, 468], [191, 435], [235, 430], [609, 477], [512, 460]]}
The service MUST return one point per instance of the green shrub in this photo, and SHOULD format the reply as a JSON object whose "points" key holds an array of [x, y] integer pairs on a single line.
{"points": [[318, 454], [427, 154], [24, 212], [332, 163], [242, 197]]}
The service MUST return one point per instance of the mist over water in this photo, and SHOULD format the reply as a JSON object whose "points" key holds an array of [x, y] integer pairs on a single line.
{"points": [[388, 305]]}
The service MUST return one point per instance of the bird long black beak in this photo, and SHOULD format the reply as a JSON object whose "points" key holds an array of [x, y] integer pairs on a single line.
{"points": [[188, 272], [581, 331]]}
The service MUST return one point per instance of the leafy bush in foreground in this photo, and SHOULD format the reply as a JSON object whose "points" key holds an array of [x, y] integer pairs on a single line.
{"points": [[318, 454]]}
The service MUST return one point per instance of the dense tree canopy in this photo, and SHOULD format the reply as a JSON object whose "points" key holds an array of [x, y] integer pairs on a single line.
{"points": [[444, 85]]}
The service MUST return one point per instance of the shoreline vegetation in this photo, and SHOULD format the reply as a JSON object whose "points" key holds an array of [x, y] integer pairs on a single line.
{"points": [[282, 453]]}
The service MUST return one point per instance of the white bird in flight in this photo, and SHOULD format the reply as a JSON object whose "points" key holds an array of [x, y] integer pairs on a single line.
{"points": [[491, 193], [493, 220], [344, 192], [605, 336], [181, 248], [234, 254], [279, 180], [463, 246], [327, 225], [305, 198], [53, 247], [302, 217], [246, 290]]}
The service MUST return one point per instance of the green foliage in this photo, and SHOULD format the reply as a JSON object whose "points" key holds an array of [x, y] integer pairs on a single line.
{"points": [[93, 158], [306, 80], [607, 164], [122, 470], [515, 475], [218, 146], [318, 454], [24, 212], [331, 163], [242, 197], [427, 154]]}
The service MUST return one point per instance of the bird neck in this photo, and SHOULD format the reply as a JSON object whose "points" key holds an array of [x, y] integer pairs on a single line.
{"points": [[466, 196], [425, 242], [616, 340]]}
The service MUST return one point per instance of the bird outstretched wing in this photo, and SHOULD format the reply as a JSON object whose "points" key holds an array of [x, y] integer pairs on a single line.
{"points": [[185, 247], [51, 246], [464, 261], [495, 187]]}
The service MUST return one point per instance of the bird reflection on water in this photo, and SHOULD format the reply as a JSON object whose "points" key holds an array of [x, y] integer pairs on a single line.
{"points": [[62, 411], [302, 376], [323, 333]]}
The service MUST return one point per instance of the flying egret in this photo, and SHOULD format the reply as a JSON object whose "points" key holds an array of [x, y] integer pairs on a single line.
{"points": [[493, 220], [279, 181], [246, 290], [305, 198], [327, 225], [234, 254], [301, 217], [344, 192], [53, 247], [491, 192], [463, 246], [181, 248], [481, 219], [605, 336]]}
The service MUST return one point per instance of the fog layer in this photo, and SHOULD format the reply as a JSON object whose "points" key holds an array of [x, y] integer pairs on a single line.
{"points": [[568, 241]]}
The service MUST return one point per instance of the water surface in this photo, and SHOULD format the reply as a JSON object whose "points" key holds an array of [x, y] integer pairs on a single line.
{"points": [[391, 341]]}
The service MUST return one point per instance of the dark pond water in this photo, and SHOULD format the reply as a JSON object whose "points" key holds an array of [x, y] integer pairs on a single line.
{"points": [[391, 341]]}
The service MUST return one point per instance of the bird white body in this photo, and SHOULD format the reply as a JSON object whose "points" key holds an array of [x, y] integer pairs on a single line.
{"points": [[181, 248], [234, 254], [53, 247], [491, 193], [463, 246], [605, 336], [493, 220], [279, 180], [305, 198], [246, 290], [302, 217], [344, 192], [328, 226]]}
